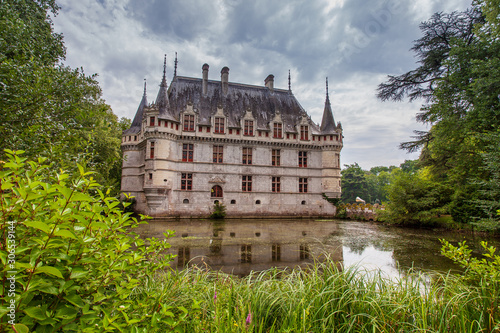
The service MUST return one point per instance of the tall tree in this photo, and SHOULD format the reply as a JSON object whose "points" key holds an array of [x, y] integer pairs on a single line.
{"points": [[47, 108], [354, 184], [458, 79]]}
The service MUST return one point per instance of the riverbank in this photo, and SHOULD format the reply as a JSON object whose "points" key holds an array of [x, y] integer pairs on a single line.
{"points": [[321, 299]]}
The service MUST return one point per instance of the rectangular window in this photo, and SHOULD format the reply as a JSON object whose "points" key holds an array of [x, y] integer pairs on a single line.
{"points": [[151, 121], [247, 156], [218, 156], [276, 157], [276, 252], [303, 185], [165, 124], [237, 132], [186, 181], [304, 132], [248, 130], [302, 159], [219, 125], [276, 184], [189, 123], [278, 130], [172, 125], [152, 150], [230, 131], [246, 184], [246, 253], [200, 129], [187, 152], [287, 136]]}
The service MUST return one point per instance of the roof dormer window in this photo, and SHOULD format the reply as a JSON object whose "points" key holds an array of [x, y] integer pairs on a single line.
{"points": [[278, 130], [219, 125], [189, 123]]}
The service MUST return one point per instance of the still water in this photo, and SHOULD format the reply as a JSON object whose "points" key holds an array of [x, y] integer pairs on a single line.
{"points": [[240, 246]]}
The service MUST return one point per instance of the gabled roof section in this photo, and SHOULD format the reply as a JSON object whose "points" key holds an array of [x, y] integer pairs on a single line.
{"points": [[328, 123], [261, 101], [137, 122]]}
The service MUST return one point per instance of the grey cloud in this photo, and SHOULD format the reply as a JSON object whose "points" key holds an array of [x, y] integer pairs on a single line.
{"points": [[179, 19]]}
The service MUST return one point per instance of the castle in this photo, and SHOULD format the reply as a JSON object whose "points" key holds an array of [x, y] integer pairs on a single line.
{"points": [[252, 148]]}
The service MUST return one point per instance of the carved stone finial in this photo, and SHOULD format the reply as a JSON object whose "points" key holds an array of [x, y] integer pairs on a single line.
{"points": [[164, 66], [289, 82], [327, 87], [175, 65]]}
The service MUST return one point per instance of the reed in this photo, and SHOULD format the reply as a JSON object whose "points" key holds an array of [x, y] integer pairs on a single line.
{"points": [[323, 299]]}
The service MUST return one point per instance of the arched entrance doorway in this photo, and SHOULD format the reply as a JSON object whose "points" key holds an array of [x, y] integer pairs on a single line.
{"points": [[216, 192]]}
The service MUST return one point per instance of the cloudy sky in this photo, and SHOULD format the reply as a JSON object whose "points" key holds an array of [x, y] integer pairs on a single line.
{"points": [[355, 43]]}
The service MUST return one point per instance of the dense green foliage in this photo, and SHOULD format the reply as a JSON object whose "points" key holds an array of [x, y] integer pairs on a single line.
{"points": [[70, 261], [49, 109], [481, 275], [372, 185], [413, 200], [459, 79], [324, 298]]}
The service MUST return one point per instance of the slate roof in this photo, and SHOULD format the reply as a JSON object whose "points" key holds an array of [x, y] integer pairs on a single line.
{"points": [[328, 123], [137, 122], [261, 101]]}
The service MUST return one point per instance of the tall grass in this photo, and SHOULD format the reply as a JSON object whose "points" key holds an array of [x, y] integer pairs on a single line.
{"points": [[323, 299]]}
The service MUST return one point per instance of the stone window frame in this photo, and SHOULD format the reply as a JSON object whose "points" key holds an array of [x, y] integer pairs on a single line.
{"points": [[152, 149], [186, 181], [218, 154], [219, 125], [276, 157], [276, 184], [303, 188], [216, 192], [277, 130], [247, 155], [188, 121], [304, 132], [302, 155], [246, 183], [187, 152]]}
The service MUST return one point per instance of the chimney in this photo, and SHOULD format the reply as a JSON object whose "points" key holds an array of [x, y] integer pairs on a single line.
{"points": [[205, 79], [269, 82], [224, 77]]}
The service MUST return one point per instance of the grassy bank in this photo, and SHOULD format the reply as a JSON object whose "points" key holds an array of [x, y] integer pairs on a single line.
{"points": [[323, 299]]}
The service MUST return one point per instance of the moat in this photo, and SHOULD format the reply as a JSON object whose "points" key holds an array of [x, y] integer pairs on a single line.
{"points": [[240, 246]]}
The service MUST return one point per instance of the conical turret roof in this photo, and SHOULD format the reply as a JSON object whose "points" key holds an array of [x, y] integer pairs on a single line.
{"points": [[328, 123], [136, 123]]}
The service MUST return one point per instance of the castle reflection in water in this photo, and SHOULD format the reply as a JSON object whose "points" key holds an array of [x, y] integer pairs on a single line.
{"points": [[240, 246]]}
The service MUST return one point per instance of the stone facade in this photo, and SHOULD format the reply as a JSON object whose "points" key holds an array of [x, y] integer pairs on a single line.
{"points": [[254, 149]]}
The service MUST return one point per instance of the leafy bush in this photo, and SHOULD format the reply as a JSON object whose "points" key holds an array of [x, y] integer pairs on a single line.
{"points": [[70, 261], [483, 274], [219, 211]]}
